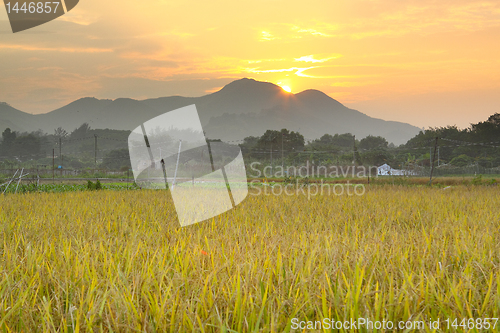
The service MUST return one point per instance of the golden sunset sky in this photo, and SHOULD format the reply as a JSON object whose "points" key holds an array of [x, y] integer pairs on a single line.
{"points": [[428, 63]]}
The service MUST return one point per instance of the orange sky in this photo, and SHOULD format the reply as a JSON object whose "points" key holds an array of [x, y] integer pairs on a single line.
{"points": [[428, 63]]}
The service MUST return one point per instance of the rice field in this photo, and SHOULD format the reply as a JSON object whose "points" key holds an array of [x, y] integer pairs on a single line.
{"points": [[118, 261]]}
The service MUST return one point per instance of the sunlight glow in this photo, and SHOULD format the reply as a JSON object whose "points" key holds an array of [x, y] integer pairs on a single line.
{"points": [[286, 88]]}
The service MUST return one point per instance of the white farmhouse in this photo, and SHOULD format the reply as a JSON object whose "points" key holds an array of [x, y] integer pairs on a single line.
{"points": [[386, 170]]}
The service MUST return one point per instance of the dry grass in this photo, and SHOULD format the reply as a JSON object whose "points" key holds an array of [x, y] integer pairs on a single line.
{"points": [[395, 180], [118, 261]]}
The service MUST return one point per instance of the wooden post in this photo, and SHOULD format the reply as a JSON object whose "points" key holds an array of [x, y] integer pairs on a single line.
{"points": [[282, 152], [164, 173], [354, 150], [60, 149], [272, 170], [95, 150]]}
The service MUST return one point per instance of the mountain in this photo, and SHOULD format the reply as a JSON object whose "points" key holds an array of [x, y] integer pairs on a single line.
{"points": [[14, 119], [73, 115], [242, 108]]}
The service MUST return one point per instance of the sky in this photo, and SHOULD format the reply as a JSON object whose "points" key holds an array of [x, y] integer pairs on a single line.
{"points": [[425, 62]]}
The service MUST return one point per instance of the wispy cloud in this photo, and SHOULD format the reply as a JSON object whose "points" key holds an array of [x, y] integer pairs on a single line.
{"points": [[311, 31], [267, 36], [310, 58], [258, 61], [55, 49], [297, 70]]}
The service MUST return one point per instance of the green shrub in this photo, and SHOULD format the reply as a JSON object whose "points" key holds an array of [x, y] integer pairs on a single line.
{"points": [[477, 180], [90, 185]]}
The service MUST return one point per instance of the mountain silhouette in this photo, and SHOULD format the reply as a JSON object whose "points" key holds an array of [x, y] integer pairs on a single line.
{"points": [[15, 119], [242, 108]]}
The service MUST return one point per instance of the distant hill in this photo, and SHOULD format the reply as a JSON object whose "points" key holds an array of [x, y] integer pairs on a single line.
{"points": [[242, 108], [14, 119]]}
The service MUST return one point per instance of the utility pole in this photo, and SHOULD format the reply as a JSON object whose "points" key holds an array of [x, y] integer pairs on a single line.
{"points": [[432, 166], [282, 158], [272, 170], [53, 164], [95, 150], [354, 150], [438, 156], [60, 149]]}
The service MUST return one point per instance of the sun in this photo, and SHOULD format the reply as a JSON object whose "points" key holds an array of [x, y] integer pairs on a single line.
{"points": [[285, 85]]}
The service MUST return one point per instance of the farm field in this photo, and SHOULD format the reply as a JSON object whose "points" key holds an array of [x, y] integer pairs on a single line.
{"points": [[80, 184], [118, 261]]}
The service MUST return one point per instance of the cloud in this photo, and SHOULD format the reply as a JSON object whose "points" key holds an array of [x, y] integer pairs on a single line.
{"points": [[297, 70], [311, 31], [266, 36], [54, 49], [310, 58], [356, 50]]}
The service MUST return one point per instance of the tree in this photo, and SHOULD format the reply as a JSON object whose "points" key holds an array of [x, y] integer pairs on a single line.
{"points": [[494, 119], [116, 159], [81, 132], [291, 140], [60, 132], [250, 141], [377, 157], [27, 147], [8, 136], [7, 145], [372, 142], [488, 130], [462, 161], [345, 140]]}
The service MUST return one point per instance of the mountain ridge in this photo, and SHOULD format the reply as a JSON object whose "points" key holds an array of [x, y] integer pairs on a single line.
{"points": [[244, 107]]}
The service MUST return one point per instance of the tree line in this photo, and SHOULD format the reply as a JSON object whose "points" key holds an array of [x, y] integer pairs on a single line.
{"points": [[90, 148]]}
